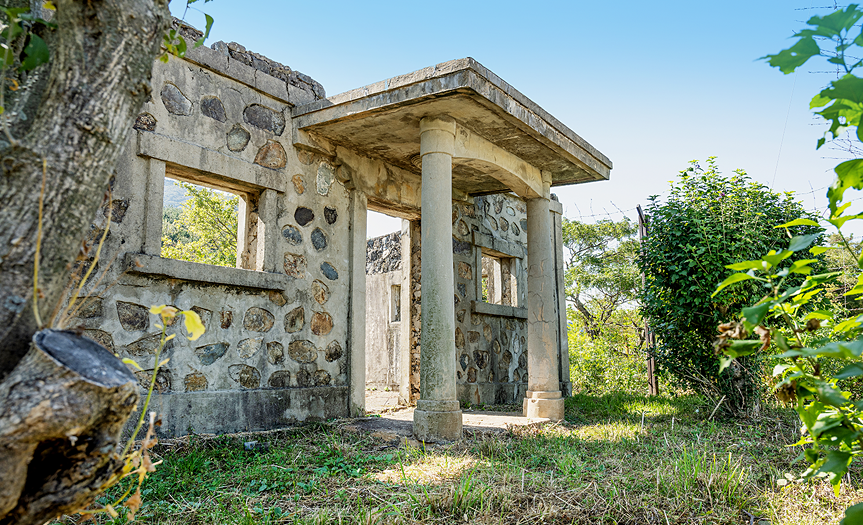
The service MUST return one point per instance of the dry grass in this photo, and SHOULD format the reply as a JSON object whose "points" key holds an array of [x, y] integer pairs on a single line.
{"points": [[617, 459]]}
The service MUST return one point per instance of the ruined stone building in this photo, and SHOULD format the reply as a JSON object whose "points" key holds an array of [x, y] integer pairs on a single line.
{"points": [[472, 309]]}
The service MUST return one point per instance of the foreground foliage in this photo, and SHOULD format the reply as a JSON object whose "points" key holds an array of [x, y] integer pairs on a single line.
{"points": [[618, 459], [204, 229], [707, 222], [812, 344]]}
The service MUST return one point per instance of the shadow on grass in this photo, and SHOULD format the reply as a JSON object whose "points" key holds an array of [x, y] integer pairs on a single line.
{"points": [[584, 409]]}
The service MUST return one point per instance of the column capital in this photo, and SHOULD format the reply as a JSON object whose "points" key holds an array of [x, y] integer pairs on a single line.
{"points": [[438, 122]]}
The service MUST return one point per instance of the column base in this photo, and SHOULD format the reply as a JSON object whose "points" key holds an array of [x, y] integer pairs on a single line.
{"points": [[437, 421], [547, 405]]}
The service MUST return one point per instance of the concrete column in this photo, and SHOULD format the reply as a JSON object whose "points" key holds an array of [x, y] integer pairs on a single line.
{"points": [[405, 333], [543, 397], [437, 416], [153, 196], [357, 352]]}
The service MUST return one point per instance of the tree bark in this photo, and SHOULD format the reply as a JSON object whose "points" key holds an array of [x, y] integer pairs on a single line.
{"points": [[99, 78], [63, 409]]}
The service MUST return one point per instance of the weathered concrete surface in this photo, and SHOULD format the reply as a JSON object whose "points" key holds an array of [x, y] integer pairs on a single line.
{"points": [[437, 417], [543, 398], [383, 312], [382, 119]]}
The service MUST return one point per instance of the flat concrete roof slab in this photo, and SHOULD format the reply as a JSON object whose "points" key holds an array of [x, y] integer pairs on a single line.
{"points": [[382, 121]]}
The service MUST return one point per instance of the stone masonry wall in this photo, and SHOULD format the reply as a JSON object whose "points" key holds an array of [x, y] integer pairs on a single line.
{"points": [[271, 355]]}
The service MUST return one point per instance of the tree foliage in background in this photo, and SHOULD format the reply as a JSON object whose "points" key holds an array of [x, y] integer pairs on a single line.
{"points": [[203, 229], [606, 335], [707, 222], [811, 343], [601, 275]]}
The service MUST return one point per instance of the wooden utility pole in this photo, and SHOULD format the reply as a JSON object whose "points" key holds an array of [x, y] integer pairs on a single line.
{"points": [[649, 336]]}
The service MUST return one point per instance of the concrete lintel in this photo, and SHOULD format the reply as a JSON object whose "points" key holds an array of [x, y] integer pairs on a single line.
{"points": [[555, 207], [198, 164], [204, 273], [312, 142], [499, 310], [498, 247], [519, 176]]}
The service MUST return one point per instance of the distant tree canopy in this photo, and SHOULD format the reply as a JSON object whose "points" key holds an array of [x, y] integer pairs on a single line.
{"points": [[707, 222], [203, 229], [601, 274]]}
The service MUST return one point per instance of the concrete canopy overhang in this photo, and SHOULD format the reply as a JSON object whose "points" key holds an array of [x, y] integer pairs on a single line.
{"points": [[504, 141]]}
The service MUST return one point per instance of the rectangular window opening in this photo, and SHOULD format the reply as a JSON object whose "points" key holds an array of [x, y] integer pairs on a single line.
{"points": [[498, 280], [395, 303], [201, 223]]}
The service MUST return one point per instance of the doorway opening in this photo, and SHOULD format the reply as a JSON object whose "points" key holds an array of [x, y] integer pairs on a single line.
{"points": [[385, 296]]}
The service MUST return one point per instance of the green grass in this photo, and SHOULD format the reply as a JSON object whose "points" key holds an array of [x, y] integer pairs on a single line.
{"points": [[618, 459]]}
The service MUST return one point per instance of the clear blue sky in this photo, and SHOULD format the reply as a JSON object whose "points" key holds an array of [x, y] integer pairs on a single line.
{"points": [[650, 84]]}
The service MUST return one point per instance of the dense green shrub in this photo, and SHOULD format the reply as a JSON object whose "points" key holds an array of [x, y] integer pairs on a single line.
{"points": [[709, 221], [613, 361]]}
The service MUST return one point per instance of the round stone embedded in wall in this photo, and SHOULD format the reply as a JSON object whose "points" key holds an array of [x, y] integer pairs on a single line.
{"points": [[277, 298], [295, 319], [498, 204], [304, 378], [329, 272], [322, 323], [212, 107], [514, 229], [460, 315], [163, 380], [249, 347], [209, 354], [486, 332], [496, 346], [264, 118], [334, 351], [175, 101], [271, 155], [102, 337], [303, 216], [462, 228], [238, 138], [275, 352], [322, 378], [462, 289], [195, 382], [473, 337], [326, 174], [292, 234], [258, 320], [330, 215], [504, 224], [471, 375], [295, 265], [299, 185], [510, 211], [245, 375], [319, 239], [492, 223], [505, 359], [464, 361], [226, 317], [459, 338], [320, 291], [280, 379], [133, 317], [523, 223], [464, 270], [302, 351], [145, 122], [147, 345], [480, 358]]}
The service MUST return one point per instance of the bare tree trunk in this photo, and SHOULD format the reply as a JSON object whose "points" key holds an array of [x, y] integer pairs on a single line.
{"points": [[99, 78], [63, 409], [64, 401]]}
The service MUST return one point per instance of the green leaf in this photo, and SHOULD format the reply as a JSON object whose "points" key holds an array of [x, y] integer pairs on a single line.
{"points": [[798, 222], [773, 258], [830, 394], [835, 466], [755, 314], [818, 250], [849, 174], [852, 370], [209, 26], [790, 59], [746, 265], [801, 242], [724, 362], [735, 278], [853, 515], [742, 348], [36, 53]]}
